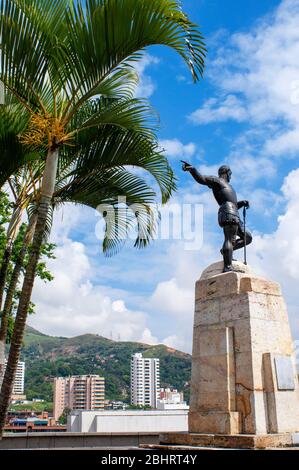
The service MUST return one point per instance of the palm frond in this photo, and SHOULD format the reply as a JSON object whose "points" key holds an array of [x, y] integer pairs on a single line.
{"points": [[105, 34], [56, 54], [28, 31], [13, 121], [125, 200]]}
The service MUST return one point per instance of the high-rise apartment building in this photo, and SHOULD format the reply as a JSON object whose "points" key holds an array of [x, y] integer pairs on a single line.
{"points": [[78, 392], [145, 380], [18, 385]]}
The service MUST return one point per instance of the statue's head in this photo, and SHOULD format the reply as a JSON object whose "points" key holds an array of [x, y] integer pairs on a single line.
{"points": [[225, 171]]}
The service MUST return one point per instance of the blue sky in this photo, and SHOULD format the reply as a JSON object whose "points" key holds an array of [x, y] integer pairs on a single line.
{"points": [[244, 113]]}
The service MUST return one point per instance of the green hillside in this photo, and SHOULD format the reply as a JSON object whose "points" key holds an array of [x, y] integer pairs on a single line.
{"points": [[48, 356]]}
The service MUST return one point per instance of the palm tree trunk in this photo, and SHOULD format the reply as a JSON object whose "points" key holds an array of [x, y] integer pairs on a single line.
{"points": [[11, 289], [21, 316], [12, 232], [4, 269], [2, 361]]}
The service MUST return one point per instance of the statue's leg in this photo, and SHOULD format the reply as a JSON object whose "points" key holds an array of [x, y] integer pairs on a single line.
{"points": [[242, 237], [230, 232]]}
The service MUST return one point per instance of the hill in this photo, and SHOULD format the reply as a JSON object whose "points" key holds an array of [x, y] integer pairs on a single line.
{"points": [[50, 356]]}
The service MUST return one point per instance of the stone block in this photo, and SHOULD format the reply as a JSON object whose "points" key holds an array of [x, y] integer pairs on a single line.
{"points": [[214, 422], [218, 286], [234, 307], [259, 285], [207, 312]]}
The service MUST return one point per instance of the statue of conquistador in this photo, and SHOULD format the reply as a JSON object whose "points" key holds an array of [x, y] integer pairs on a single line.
{"points": [[235, 236]]}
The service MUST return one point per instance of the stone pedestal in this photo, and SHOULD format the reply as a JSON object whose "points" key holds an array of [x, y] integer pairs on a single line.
{"points": [[244, 380]]}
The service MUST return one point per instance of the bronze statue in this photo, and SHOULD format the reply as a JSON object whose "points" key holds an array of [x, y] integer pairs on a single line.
{"points": [[235, 234]]}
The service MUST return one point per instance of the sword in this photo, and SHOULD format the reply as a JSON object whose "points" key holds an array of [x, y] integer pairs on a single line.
{"points": [[244, 222]]}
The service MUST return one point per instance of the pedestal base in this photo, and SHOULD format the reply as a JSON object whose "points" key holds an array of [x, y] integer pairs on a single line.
{"points": [[237, 441], [218, 422], [244, 379]]}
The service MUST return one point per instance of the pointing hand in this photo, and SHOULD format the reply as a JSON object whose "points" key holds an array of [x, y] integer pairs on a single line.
{"points": [[186, 166]]}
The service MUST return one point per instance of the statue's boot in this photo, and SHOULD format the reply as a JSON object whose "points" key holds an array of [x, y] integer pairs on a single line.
{"points": [[228, 269]]}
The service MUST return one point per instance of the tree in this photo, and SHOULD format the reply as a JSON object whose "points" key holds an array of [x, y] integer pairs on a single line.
{"points": [[17, 265], [55, 56], [91, 184], [5, 214], [15, 165], [63, 418]]}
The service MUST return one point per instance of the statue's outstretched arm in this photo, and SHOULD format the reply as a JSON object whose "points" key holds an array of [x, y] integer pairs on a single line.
{"points": [[201, 179]]}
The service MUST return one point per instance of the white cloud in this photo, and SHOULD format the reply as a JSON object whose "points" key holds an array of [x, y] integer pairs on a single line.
{"points": [[173, 299], [176, 342], [175, 148], [265, 202], [276, 255], [169, 297], [286, 142], [146, 86], [147, 337], [221, 109], [175, 304], [70, 217], [246, 168], [258, 74], [72, 304], [181, 78]]}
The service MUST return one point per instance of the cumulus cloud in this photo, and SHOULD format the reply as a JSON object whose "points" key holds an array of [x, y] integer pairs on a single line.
{"points": [[276, 255], [257, 75], [177, 342], [222, 109], [175, 148], [73, 304], [171, 298], [148, 338], [146, 86]]}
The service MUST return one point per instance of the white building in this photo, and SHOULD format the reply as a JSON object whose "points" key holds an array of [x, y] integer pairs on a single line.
{"points": [[145, 380], [171, 400], [18, 386], [165, 405], [172, 396], [129, 421]]}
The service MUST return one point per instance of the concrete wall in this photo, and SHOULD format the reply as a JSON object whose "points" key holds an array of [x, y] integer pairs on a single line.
{"points": [[54, 440], [155, 421]]}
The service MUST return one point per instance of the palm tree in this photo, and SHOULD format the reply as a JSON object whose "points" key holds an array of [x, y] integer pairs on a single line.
{"points": [[97, 184], [56, 55]]}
